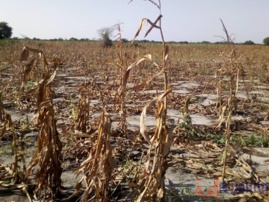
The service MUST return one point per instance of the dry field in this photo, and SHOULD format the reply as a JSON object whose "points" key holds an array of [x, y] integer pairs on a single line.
{"points": [[79, 121]]}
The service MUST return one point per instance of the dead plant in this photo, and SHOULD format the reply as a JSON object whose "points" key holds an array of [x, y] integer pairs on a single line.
{"points": [[123, 89], [151, 182], [97, 168], [157, 24], [82, 117], [14, 175], [120, 66], [48, 156], [230, 106], [28, 63]]}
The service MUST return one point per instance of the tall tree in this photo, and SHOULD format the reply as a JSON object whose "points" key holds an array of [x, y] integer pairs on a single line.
{"points": [[5, 30]]}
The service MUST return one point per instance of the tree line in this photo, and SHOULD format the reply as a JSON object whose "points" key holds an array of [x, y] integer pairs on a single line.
{"points": [[105, 37]]}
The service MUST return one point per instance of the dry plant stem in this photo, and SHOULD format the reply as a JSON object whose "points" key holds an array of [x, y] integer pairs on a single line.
{"points": [[165, 55], [219, 93], [83, 110], [120, 70], [227, 143], [2, 111], [17, 172], [124, 83], [164, 48], [24, 189], [97, 168], [154, 186], [152, 181], [48, 155], [15, 150], [6, 118], [123, 114], [233, 71], [153, 189]]}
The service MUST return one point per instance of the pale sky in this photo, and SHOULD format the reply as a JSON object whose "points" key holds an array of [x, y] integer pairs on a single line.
{"points": [[183, 20]]}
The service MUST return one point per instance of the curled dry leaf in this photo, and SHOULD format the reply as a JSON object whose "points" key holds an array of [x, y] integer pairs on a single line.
{"points": [[166, 53], [26, 72], [143, 131], [26, 52], [142, 22], [127, 73], [221, 117]]}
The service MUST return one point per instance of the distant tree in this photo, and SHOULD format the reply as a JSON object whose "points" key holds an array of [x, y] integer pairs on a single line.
{"points": [[144, 41], [73, 39], [5, 30], [249, 42], [266, 41], [171, 42], [124, 40], [83, 39], [105, 34], [205, 42], [222, 42], [183, 42]]}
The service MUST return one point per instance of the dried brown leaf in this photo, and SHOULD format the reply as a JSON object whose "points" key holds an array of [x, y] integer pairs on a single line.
{"points": [[7, 123], [144, 111], [221, 117], [139, 28], [97, 168], [153, 25], [51, 78], [166, 53], [27, 69], [127, 73], [226, 32], [24, 54]]}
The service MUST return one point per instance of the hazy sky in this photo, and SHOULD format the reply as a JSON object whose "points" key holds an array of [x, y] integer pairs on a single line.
{"points": [[183, 20]]}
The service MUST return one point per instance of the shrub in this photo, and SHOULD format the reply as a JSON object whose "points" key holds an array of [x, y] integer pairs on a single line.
{"points": [[105, 36]]}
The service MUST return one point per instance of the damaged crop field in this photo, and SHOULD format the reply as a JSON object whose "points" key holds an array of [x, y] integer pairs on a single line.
{"points": [[151, 122]]}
